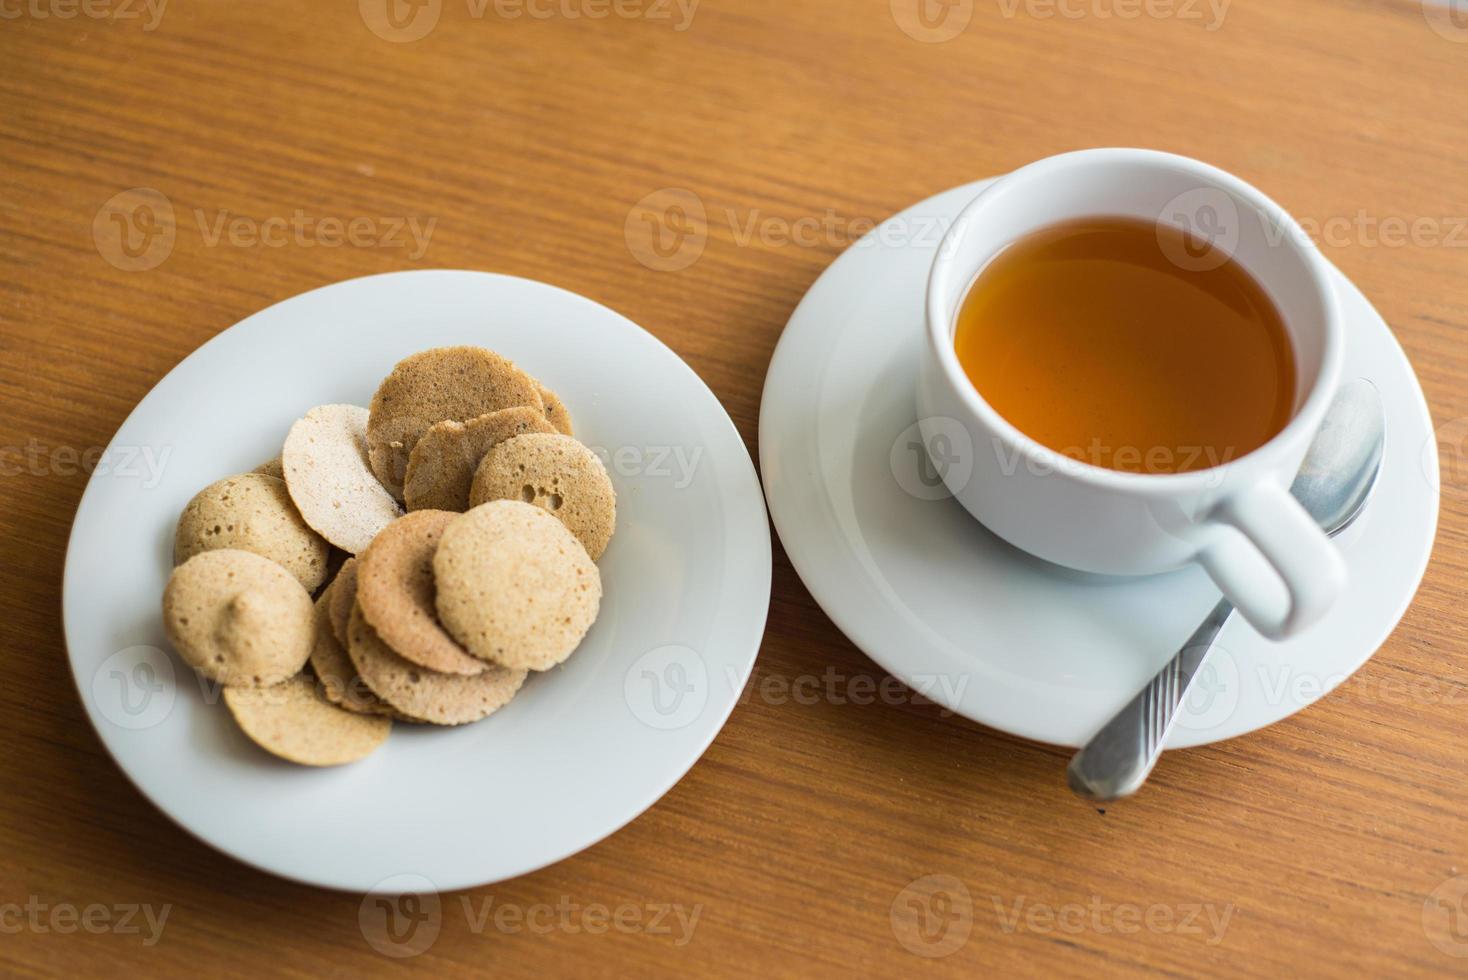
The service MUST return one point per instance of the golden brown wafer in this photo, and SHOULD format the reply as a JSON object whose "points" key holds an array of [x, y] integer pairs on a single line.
{"points": [[238, 618], [441, 467], [426, 695], [557, 474], [334, 671], [556, 412], [271, 468], [395, 590], [343, 598], [252, 512], [515, 587], [459, 383], [294, 721]]}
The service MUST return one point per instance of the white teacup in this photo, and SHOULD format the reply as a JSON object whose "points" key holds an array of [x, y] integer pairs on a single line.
{"points": [[1237, 520]]}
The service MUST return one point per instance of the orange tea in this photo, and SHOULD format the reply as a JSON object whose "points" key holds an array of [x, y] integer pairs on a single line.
{"points": [[1087, 337]]}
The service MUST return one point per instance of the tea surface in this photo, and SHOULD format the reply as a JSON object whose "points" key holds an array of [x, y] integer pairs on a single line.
{"points": [[1090, 340]]}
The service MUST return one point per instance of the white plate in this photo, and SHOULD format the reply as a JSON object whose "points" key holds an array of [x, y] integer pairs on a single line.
{"points": [[583, 749], [997, 636]]}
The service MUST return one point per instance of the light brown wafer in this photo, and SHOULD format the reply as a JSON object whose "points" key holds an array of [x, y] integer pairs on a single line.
{"points": [[326, 471], [343, 597], [334, 671], [395, 591], [271, 468], [556, 412], [252, 512], [459, 383], [442, 464], [238, 618], [557, 474], [515, 587], [294, 721], [426, 695]]}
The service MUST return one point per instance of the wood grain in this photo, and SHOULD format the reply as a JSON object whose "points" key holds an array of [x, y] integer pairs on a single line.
{"points": [[528, 142]]}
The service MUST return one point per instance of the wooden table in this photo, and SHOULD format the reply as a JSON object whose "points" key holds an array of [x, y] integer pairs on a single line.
{"points": [[805, 838]]}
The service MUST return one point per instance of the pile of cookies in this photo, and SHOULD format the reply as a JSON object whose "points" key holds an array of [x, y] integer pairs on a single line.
{"points": [[433, 616]]}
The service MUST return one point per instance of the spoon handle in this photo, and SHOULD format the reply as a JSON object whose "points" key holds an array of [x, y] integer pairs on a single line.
{"points": [[1118, 758]]}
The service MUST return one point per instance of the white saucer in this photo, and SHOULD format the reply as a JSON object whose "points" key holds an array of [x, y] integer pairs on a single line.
{"points": [[997, 636], [583, 749]]}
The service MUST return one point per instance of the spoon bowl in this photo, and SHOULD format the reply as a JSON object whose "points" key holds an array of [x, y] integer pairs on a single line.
{"points": [[1340, 470]]}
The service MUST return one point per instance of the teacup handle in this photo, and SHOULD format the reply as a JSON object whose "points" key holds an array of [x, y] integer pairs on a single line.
{"points": [[1307, 563]]}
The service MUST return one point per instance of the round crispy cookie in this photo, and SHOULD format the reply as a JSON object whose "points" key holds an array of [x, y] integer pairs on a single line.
{"points": [[459, 383], [342, 598], [442, 464], [294, 721], [252, 512], [515, 586], [395, 592], [425, 695], [334, 671], [271, 467], [556, 412], [557, 474], [326, 472], [238, 619]]}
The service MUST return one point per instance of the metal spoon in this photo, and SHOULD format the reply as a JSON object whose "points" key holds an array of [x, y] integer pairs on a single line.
{"points": [[1335, 480]]}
